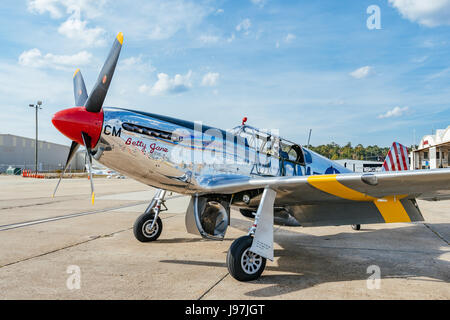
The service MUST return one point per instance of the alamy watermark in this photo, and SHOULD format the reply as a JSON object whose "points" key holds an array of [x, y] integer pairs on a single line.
{"points": [[374, 280], [73, 282], [374, 20]]}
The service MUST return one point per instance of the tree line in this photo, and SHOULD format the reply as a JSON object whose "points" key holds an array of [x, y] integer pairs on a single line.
{"points": [[334, 151]]}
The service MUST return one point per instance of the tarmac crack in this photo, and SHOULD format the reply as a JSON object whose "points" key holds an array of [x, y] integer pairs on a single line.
{"points": [[213, 286], [63, 248], [436, 233], [75, 244]]}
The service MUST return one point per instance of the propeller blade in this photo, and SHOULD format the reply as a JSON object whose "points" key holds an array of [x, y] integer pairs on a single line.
{"points": [[79, 89], [87, 144], [73, 149], [95, 100]]}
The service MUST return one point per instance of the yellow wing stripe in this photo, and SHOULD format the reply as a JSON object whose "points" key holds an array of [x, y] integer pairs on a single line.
{"points": [[329, 184], [390, 207]]}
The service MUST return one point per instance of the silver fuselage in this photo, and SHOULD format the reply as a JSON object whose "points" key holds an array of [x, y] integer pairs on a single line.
{"points": [[183, 156]]}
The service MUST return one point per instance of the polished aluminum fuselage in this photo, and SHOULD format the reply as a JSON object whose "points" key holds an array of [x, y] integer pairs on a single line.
{"points": [[183, 156]]}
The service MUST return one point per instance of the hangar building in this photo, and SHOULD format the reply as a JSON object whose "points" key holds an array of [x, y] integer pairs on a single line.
{"points": [[361, 165], [433, 151], [16, 151]]}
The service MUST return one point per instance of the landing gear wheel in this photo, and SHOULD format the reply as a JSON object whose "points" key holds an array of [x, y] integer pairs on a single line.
{"points": [[243, 264], [142, 226], [356, 226]]}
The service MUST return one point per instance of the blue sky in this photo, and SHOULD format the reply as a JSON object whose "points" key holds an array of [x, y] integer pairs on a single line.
{"points": [[286, 65]]}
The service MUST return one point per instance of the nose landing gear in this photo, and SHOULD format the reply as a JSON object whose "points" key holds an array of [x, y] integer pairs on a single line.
{"points": [[148, 226]]}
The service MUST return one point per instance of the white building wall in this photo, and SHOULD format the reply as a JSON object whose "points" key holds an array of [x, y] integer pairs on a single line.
{"points": [[19, 152]]}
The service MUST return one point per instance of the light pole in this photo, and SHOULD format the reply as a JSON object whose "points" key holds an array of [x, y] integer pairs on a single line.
{"points": [[37, 106]]}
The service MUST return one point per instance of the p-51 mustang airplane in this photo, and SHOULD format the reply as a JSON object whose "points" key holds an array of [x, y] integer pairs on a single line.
{"points": [[269, 179]]}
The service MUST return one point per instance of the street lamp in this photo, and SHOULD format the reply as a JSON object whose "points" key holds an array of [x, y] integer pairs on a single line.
{"points": [[37, 106]]}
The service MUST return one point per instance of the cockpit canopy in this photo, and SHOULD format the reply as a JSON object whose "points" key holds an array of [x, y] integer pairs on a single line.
{"points": [[269, 143]]}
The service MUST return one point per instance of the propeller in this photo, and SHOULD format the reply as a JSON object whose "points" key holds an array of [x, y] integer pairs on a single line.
{"points": [[95, 100], [87, 143], [83, 123], [73, 149], [79, 88]]}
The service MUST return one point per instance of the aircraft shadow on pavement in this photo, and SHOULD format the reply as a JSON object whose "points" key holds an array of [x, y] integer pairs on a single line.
{"points": [[308, 260]]}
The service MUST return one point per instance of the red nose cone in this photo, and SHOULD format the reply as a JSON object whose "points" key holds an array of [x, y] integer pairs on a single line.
{"points": [[71, 122]]}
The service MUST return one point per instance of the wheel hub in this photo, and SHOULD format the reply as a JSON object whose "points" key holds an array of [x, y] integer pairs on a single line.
{"points": [[251, 262], [146, 228]]}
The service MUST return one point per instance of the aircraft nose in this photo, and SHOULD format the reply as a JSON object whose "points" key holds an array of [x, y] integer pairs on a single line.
{"points": [[71, 122]]}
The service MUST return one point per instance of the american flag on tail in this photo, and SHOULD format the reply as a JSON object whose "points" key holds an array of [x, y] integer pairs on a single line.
{"points": [[397, 158]]}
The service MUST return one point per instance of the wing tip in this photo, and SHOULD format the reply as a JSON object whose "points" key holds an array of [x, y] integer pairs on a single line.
{"points": [[76, 71], [120, 38]]}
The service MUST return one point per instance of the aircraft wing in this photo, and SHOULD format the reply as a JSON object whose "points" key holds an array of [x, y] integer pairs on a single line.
{"points": [[422, 184], [346, 198]]}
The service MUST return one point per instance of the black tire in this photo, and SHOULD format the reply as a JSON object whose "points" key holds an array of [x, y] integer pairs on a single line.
{"points": [[140, 231], [234, 260], [356, 227]]}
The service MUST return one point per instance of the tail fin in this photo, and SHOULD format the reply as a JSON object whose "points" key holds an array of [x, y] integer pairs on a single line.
{"points": [[397, 158]]}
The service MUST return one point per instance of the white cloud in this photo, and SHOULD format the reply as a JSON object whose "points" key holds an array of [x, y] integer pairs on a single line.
{"points": [[136, 63], [419, 59], [289, 38], [244, 26], [34, 58], [231, 38], [426, 12], [43, 6], [167, 85], [259, 3], [58, 8], [362, 72], [75, 29], [219, 11], [210, 79], [156, 20], [209, 39], [396, 112]]}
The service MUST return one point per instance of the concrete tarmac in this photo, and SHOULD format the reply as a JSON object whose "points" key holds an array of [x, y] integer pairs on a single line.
{"points": [[45, 242]]}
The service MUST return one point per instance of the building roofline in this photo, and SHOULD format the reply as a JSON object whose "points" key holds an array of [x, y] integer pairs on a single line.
{"points": [[14, 135]]}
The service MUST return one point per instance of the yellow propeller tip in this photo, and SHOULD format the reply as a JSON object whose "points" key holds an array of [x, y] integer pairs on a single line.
{"points": [[93, 197], [76, 71], [120, 37]]}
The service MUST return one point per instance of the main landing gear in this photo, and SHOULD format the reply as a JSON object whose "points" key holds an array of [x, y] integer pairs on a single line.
{"points": [[356, 226], [246, 258], [148, 226], [244, 265]]}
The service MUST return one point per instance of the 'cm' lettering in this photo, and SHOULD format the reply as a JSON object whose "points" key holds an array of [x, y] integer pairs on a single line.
{"points": [[115, 133]]}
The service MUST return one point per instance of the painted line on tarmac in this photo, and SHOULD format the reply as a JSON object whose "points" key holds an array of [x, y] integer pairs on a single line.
{"points": [[68, 198], [72, 215], [67, 216]]}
